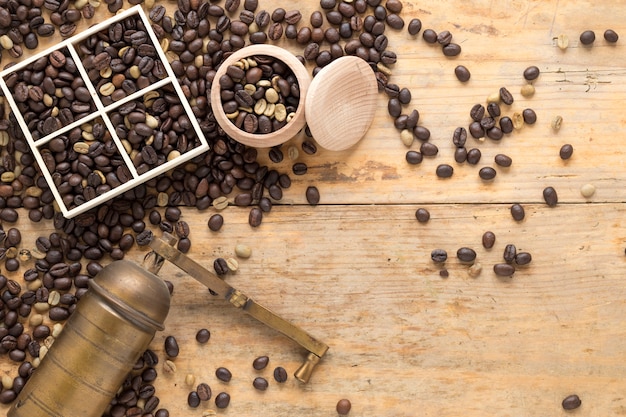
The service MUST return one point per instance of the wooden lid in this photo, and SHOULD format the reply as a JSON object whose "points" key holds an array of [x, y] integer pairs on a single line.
{"points": [[341, 103]]}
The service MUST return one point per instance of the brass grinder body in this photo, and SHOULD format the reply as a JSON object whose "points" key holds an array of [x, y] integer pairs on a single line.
{"points": [[113, 324]]}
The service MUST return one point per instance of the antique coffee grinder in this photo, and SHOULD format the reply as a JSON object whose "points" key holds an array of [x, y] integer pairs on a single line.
{"points": [[113, 325]]}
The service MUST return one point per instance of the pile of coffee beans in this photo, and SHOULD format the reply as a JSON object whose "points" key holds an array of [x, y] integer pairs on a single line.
{"points": [[259, 94], [154, 129], [121, 60], [50, 93]]}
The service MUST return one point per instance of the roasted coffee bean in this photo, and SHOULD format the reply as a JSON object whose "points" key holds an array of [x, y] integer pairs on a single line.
{"points": [[299, 168], [506, 124], [517, 212], [477, 112], [587, 37], [220, 266], [571, 402], [171, 347], [193, 399], [260, 383], [429, 35], [255, 218], [428, 149], [422, 215], [550, 196], [476, 130], [444, 171], [215, 222], [460, 155], [260, 362], [312, 195], [414, 27], [531, 73], [487, 173], [204, 391], [465, 254], [444, 37], [452, 49], [414, 157], [223, 374], [566, 151], [510, 251], [503, 160], [506, 96], [504, 269], [462, 73], [611, 36], [203, 336], [489, 239], [222, 400], [473, 156], [439, 255], [494, 110], [182, 229], [280, 374], [523, 258], [343, 407]]}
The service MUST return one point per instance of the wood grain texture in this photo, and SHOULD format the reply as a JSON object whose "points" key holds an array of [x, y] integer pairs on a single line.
{"points": [[355, 271]]}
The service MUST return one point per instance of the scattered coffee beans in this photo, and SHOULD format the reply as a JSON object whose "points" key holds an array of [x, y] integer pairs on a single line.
{"points": [[343, 407], [439, 255], [504, 269], [503, 161], [260, 383], [487, 173], [587, 190], [462, 73], [531, 73], [312, 195], [523, 258], [465, 254], [489, 239], [550, 196], [610, 36], [171, 347], [571, 402], [260, 362], [203, 336], [422, 215], [444, 171], [280, 374], [517, 212], [587, 37], [566, 151], [222, 400], [223, 374]]}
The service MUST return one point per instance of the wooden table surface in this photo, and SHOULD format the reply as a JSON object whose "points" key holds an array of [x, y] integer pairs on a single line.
{"points": [[355, 270]]}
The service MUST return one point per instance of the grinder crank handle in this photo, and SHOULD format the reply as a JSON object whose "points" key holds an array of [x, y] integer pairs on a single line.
{"points": [[164, 247]]}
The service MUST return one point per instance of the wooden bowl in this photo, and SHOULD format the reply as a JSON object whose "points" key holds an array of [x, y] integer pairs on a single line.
{"points": [[277, 137]]}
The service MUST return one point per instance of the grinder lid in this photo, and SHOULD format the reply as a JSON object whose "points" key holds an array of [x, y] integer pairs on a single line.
{"points": [[341, 103]]}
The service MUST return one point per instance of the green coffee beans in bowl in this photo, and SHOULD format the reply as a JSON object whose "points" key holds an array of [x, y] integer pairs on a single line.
{"points": [[258, 95]]}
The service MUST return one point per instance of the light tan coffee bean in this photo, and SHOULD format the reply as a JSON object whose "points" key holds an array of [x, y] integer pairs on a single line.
{"points": [[169, 367], [162, 199], [35, 320], [493, 97], [81, 148], [518, 120], [57, 329], [243, 251], [474, 270], [232, 264], [220, 203], [527, 90], [406, 136], [587, 190], [556, 123], [107, 89], [293, 153], [190, 380], [562, 41], [53, 298]]}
